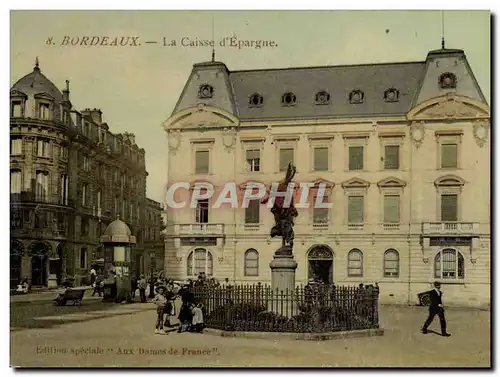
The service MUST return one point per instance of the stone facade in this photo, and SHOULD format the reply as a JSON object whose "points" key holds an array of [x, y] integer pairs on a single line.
{"points": [[70, 177], [429, 150], [154, 255]]}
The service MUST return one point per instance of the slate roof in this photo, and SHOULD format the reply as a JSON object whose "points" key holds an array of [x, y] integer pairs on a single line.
{"points": [[338, 81], [36, 83]]}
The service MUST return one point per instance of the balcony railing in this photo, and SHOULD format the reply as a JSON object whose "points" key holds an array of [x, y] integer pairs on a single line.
{"points": [[199, 229], [355, 226], [320, 226], [451, 227], [391, 226]]}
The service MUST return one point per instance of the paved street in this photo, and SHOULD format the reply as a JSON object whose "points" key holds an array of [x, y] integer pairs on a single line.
{"points": [[100, 335]]}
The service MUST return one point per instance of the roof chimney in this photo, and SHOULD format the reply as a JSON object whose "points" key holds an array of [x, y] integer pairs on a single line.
{"points": [[66, 92]]}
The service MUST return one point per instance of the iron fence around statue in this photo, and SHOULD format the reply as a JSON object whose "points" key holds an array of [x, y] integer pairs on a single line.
{"points": [[307, 309]]}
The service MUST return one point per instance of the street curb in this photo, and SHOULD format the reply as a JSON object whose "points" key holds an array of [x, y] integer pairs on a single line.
{"points": [[296, 336]]}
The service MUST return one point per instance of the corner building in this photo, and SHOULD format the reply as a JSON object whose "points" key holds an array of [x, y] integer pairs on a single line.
{"points": [[70, 176], [403, 149]]}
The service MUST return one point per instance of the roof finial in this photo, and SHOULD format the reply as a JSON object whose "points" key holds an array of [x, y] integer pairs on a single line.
{"points": [[67, 85], [118, 216], [442, 30], [213, 54], [37, 65]]}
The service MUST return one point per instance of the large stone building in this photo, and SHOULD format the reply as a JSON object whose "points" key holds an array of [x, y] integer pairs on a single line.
{"points": [[154, 244], [402, 147], [70, 177]]}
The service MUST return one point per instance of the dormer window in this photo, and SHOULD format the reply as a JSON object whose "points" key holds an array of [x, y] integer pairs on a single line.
{"points": [[44, 111], [448, 81], [16, 109], [356, 96], [206, 91], [322, 98], [391, 95], [256, 100], [288, 99]]}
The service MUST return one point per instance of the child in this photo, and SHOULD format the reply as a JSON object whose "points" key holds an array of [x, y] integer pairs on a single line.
{"points": [[197, 319], [170, 305], [160, 300]]}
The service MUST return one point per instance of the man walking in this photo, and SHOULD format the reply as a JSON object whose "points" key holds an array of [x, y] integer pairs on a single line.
{"points": [[142, 285], [436, 307]]}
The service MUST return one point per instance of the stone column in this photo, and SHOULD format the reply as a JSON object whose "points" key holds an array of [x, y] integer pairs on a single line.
{"points": [[283, 268]]}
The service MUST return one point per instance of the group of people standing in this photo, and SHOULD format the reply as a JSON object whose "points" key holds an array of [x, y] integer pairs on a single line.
{"points": [[190, 314]]}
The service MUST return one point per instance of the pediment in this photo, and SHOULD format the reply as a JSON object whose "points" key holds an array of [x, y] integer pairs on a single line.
{"points": [[200, 117], [45, 96], [391, 182], [319, 181], [449, 180], [449, 107], [355, 183], [18, 94]]}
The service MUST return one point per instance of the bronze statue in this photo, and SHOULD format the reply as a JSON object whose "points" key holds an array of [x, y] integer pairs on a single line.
{"points": [[284, 216]]}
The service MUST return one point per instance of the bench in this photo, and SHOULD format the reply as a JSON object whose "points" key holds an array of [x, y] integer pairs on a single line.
{"points": [[71, 294]]}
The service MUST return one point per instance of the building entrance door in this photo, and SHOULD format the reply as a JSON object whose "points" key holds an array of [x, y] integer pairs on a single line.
{"points": [[320, 262]]}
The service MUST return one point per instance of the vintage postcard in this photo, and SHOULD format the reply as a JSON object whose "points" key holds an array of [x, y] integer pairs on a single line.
{"points": [[250, 189]]}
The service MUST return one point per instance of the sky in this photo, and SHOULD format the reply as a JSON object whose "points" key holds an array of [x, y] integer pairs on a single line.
{"points": [[137, 87]]}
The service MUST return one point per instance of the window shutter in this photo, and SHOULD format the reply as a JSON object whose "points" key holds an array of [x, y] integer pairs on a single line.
{"points": [[391, 157], [286, 156], [391, 209], [449, 156], [449, 207], [321, 159], [356, 158], [355, 210], [202, 161]]}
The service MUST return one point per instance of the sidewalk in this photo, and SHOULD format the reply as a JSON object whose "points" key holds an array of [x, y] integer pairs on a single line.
{"points": [[126, 338]]}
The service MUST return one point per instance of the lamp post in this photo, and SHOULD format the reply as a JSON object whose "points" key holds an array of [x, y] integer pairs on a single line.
{"points": [[152, 282]]}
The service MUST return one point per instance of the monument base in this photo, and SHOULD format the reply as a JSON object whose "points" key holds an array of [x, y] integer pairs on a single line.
{"points": [[283, 268], [52, 281]]}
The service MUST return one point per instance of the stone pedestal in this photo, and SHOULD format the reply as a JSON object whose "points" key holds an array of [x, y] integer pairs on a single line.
{"points": [[52, 281], [283, 268]]}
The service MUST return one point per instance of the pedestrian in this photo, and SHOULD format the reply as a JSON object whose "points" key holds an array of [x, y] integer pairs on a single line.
{"points": [[134, 285], [185, 314], [197, 323], [160, 300], [92, 276], [98, 285], [142, 284], [170, 306], [436, 307], [151, 282]]}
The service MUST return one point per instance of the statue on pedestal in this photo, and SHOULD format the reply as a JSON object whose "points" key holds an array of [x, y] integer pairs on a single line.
{"points": [[284, 215]]}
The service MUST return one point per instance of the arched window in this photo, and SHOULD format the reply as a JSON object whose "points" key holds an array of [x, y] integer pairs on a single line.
{"points": [[251, 262], [449, 264], [15, 181], [200, 260], [355, 263], [391, 264]]}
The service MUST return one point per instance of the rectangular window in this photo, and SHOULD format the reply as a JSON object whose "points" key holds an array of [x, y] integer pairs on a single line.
{"points": [[355, 210], [356, 157], [98, 199], [64, 152], [84, 194], [202, 211], [16, 145], [252, 212], [449, 207], [132, 213], [116, 206], [42, 149], [44, 111], [83, 258], [16, 110], [202, 162], [116, 175], [391, 159], [64, 189], [253, 160], [449, 156], [286, 156], [321, 159], [391, 209], [42, 186], [320, 215], [124, 209], [85, 163], [84, 226], [15, 181]]}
